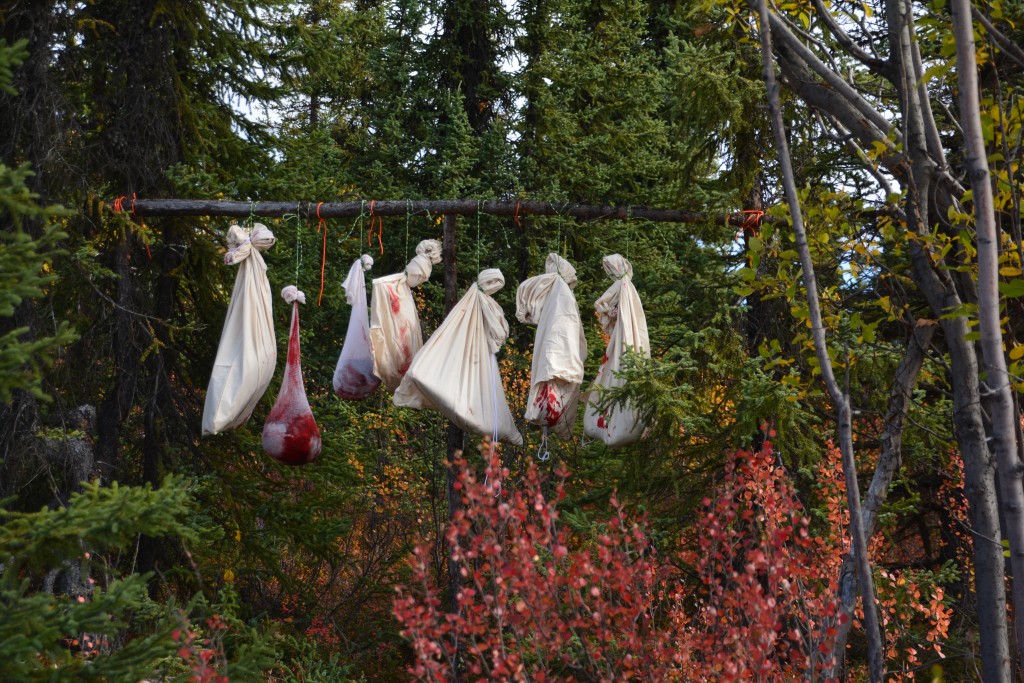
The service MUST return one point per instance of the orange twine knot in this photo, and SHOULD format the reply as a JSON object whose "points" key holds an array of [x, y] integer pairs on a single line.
{"points": [[752, 218]]}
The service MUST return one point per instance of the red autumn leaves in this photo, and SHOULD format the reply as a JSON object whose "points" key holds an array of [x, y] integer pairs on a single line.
{"points": [[540, 602]]}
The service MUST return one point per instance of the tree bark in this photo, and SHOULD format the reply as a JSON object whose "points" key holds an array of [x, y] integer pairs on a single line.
{"points": [[997, 380], [844, 420], [923, 177], [890, 459]]}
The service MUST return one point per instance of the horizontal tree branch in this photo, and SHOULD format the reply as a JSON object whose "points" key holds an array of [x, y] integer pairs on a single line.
{"points": [[440, 207]]}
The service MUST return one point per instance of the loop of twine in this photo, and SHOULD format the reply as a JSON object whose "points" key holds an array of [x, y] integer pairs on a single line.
{"points": [[752, 219], [380, 228], [546, 454]]}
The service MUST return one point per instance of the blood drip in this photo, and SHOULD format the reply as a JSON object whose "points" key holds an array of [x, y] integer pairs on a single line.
{"points": [[396, 303], [290, 434]]}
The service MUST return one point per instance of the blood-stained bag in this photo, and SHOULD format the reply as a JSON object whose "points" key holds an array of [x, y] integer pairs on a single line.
{"points": [[353, 376], [290, 434], [559, 349], [622, 318], [456, 371], [247, 352], [395, 334]]}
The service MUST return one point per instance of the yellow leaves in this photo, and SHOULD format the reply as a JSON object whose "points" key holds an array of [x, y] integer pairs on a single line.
{"points": [[229, 576]]}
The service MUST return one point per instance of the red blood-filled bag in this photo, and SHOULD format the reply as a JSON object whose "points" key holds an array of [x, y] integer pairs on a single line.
{"points": [[353, 376], [290, 434]]}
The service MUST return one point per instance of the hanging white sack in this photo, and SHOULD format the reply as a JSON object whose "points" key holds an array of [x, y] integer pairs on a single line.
{"points": [[456, 371], [353, 376], [395, 334], [622, 318], [559, 349], [247, 352], [290, 434]]}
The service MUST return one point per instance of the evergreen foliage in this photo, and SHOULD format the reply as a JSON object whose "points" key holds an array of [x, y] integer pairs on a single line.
{"points": [[236, 566]]}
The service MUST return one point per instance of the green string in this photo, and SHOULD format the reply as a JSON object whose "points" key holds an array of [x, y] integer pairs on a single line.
{"points": [[298, 245], [358, 221], [408, 215], [252, 216], [478, 236]]}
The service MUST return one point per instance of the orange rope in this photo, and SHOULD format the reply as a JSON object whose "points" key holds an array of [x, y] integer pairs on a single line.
{"points": [[321, 226], [752, 218], [380, 229]]}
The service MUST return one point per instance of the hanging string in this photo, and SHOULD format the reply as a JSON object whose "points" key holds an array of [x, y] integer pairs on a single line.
{"points": [[321, 227], [478, 236], [248, 221], [380, 228], [358, 222], [543, 453], [298, 245], [408, 216]]}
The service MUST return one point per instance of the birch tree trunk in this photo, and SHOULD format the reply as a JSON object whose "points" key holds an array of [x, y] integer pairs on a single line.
{"points": [[921, 171], [841, 400], [997, 381]]}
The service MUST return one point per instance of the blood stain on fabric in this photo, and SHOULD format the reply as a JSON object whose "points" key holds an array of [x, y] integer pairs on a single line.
{"points": [[291, 435]]}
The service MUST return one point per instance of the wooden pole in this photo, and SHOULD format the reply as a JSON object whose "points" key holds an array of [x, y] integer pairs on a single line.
{"points": [[445, 207], [455, 437]]}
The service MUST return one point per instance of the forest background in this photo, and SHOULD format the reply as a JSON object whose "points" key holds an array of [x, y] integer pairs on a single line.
{"points": [[715, 549]]}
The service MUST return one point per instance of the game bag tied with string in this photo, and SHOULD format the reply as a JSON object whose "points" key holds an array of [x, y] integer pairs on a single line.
{"points": [[290, 434], [395, 334], [560, 348], [353, 376], [622, 318], [247, 352], [456, 371]]}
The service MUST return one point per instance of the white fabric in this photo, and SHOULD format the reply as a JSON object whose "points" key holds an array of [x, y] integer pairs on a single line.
{"points": [[559, 349], [622, 318], [290, 434], [395, 334], [247, 352], [456, 371], [353, 375]]}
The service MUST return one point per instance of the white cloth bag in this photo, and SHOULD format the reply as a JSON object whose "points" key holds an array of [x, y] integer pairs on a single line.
{"points": [[456, 371], [559, 349], [622, 318], [290, 434], [353, 375], [395, 334], [247, 352]]}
